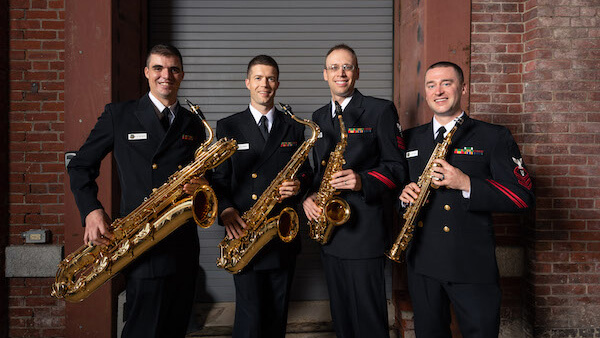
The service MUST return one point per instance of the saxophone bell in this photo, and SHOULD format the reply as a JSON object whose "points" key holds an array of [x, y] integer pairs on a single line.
{"points": [[204, 206], [287, 224], [337, 211]]}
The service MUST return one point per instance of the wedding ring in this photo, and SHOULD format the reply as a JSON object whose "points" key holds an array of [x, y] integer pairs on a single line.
{"points": [[443, 177]]}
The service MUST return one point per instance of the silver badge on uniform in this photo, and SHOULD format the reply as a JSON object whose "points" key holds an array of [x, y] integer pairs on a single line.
{"points": [[137, 136]]}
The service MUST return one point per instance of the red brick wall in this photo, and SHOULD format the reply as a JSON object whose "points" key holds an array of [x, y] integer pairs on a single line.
{"points": [[36, 153], [561, 115], [496, 97], [535, 68]]}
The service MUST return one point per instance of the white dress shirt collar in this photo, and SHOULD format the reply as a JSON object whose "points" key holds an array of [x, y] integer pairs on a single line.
{"points": [[343, 104], [448, 126], [257, 115], [173, 108]]}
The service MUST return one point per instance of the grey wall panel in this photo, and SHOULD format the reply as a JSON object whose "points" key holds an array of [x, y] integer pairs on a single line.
{"points": [[218, 38]]}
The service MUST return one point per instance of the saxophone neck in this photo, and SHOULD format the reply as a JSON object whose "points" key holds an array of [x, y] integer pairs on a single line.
{"points": [[209, 139], [313, 126]]}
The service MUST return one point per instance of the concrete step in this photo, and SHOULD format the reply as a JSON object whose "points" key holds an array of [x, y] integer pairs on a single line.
{"points": [[310, 319]]}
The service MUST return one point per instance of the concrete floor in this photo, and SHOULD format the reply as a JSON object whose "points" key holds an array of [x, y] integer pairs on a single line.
{"points": [[310, 319]]}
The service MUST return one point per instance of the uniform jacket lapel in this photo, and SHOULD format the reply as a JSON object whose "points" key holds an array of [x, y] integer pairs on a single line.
{"points": [[147, 117], [249, 128], [353, 111], [276, 135], [325, 124]]}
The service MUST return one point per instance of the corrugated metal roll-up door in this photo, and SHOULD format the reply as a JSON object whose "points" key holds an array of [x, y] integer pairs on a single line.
{"points": [[217, 40]]}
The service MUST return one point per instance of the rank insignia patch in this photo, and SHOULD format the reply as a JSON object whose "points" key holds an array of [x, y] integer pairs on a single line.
{"points": [[400, 142], [521, 174], [468, 151], [359, 130]]}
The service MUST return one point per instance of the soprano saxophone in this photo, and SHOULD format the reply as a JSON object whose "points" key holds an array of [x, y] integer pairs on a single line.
{"points": [[425, 183], [336, 211], [236, 253], [165, 210]]}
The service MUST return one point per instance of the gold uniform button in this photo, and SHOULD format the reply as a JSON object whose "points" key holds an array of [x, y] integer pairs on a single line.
{"points": [[420, 224], [447, 207], [446, 229], [323, 163], [254, 197], [179, 166], [254, 175], [154, 166]]}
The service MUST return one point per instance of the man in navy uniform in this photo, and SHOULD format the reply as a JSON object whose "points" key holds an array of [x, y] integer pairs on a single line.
{"points": [[150, 138], [375, 168], [452, 256], [267, 139]]}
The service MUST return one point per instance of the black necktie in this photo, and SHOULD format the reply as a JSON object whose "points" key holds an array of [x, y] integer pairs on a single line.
{"points": [[164, 120], [264, 129], [440, 135]]}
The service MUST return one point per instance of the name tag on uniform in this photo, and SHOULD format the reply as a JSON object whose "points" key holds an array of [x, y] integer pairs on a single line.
{"points": [[412, 153], [243, 146], [137, 136]]}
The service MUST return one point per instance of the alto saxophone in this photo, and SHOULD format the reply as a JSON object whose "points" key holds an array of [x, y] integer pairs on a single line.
{"points": [[425, 182], [335, 211], [236, 253], [164, 211]]}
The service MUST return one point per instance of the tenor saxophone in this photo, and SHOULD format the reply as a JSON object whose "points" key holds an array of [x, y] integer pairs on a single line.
{"points": [[165, 210], [425, 182], [236, 253], [335, 210]]}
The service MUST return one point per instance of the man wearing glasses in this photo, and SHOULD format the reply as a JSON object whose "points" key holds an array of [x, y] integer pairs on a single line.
{"points": [[375, 167]]}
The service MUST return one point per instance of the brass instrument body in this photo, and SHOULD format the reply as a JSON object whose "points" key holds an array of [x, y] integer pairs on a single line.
{"points": [[164, 211], [335, 210], [235, 254], [425, 182]]}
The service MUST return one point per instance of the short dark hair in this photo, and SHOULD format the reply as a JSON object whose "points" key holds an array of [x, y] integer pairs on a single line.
{"points": [[344, 47], [262, 60], [164, 50], [444, 64]]}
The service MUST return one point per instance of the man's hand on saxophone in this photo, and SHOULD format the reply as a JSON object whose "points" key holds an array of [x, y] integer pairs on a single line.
{"points": [[346, 180], [311, 209], [409, 194], [195, 183], [234, 224], [446, 175], [96, 228], [289, 189]]}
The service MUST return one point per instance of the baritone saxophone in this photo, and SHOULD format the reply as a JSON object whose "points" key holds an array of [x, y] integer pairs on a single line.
{"points": [[236, 253], [335, 210], [165, 210], [425, 183]]}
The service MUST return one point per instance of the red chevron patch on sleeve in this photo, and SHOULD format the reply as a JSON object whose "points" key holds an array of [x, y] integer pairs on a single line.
{"points": [[511, 195], [383, 179], [400, 142]]}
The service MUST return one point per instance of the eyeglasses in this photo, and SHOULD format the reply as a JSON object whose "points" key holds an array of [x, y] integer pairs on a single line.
{"points": [[335, 68]]}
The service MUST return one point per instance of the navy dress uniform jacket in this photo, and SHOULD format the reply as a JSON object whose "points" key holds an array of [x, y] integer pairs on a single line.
{"points": [[454, 239], [375, 151], [241, 180], [145, 156]]}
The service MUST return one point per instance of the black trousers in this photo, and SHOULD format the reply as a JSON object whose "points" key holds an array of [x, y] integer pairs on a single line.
{"points": [[477, 307], [159, 307], [357, 296], [261, 302]]}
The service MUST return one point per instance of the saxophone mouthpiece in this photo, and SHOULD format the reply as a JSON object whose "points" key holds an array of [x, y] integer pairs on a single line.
{"points": [[195, 109], [286, 108]]}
